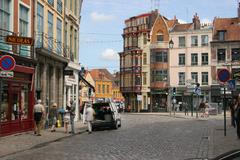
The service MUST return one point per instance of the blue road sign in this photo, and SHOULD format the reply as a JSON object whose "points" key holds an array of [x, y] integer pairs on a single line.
{"points": [[223, 75], [7, 63], [232, 84]]}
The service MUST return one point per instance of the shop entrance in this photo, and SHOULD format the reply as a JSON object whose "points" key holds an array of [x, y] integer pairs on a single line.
{"points": [[14, 108]]}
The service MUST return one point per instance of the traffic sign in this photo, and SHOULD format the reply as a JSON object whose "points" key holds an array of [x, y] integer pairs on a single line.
{"points": [[232, 84], [223, 75], [7, 63]]}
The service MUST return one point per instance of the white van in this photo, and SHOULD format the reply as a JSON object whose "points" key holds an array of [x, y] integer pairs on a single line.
{"points": [[106, 115]]}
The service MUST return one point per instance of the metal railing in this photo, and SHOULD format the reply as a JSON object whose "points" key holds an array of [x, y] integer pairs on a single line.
{"points": [[20, 50], [53, 46]]}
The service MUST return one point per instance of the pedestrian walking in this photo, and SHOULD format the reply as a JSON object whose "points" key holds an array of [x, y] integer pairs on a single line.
{"points": [[237, 114], [89, 117], [39, 112], [206, 110], [185, 106], [67, 118], [232, 109], [72, 115], [53, 116], [202, 108]]}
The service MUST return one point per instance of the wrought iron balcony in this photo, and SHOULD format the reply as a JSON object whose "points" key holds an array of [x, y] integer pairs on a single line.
{"points": [[16, 49], [44, 41]]}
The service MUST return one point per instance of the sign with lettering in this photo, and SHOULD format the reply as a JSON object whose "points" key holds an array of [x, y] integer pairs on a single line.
{"points": [[6, 74], [19, 40]]}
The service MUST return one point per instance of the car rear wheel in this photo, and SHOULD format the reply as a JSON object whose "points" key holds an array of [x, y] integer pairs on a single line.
{"points": [[116, 125]]}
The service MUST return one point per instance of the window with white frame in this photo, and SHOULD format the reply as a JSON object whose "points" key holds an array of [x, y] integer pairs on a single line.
{"points": [[59, 36], [144, 58], [181, 59], [144, 78], [159, 75], [40, 24], [194, 40], [204, 78], [181, 78], [194, 76], [194, 58], [204, 39], [235, 54], [181, 41], [221, 55], [204, 58], [50, 30], [4, 23], [160, 38], [24, 29]]}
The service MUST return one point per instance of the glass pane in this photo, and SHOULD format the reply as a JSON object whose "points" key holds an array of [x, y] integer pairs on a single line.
{"points": [[15, 106], [4, 104], [24, 96]]}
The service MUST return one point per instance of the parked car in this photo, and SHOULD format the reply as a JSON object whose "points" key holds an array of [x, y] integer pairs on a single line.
{"points": [[107, 115]]}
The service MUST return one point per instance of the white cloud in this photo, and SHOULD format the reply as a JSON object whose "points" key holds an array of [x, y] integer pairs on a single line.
{"points": [[181, 21], [205, 20], [101, 17], [109, 55]]}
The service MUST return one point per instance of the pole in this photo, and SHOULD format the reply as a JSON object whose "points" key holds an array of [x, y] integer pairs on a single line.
{"points": [[197, 106], [192, 106], [0, 104], [174, 105], [224, 106]]}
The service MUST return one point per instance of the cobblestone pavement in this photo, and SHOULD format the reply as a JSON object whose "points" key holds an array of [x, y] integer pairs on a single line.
{"points": [[141, 137]]}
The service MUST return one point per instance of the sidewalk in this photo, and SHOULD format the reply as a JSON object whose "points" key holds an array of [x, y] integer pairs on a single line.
{"points": [[181, 115], [27, 140]]}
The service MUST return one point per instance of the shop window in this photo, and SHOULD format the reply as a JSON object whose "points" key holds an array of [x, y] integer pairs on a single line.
{"points": [[4, 104], [24, 96]]}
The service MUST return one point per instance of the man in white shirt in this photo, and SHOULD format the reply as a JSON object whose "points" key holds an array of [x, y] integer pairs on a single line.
{"points": [[89, 117]]}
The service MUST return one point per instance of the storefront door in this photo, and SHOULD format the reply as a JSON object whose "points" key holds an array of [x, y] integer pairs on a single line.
{"points": [[15, 107]]}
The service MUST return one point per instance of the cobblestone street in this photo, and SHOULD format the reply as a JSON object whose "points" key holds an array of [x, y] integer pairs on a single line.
{"points": [[141, 137]]}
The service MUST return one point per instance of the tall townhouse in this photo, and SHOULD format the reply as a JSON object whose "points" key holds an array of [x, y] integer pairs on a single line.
{"points": [[159, 64], [225, 51], [71, 45], [57, 62], [17, 89], [190, 60], [51, 56], [144, 61]]}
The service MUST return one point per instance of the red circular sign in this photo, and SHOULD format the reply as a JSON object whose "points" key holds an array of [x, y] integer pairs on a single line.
{"points": [[223, 75], [7, 63]]}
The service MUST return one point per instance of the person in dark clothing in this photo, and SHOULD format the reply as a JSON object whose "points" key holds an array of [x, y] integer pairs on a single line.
{"points": [[238, 117], [232, 108]]}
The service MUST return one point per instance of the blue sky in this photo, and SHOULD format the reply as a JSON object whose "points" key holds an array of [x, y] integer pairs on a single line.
{"points": [[102, 23]]}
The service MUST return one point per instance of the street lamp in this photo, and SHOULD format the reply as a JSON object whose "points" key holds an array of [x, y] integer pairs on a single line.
{"points": [[171, 43]]}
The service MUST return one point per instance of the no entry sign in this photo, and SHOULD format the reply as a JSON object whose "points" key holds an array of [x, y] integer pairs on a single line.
{"points": [[223, 75], [7, 63]]}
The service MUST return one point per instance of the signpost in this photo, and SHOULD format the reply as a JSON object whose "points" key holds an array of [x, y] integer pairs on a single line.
{"points": [[197, 91], [223, 76]]}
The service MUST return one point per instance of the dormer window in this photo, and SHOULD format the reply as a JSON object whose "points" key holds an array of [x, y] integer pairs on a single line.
{"points": [[159, 38], [221, 35]]}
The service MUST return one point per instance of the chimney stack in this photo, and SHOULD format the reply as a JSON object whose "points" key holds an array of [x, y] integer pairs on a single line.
{"points": [[196, 22]]}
